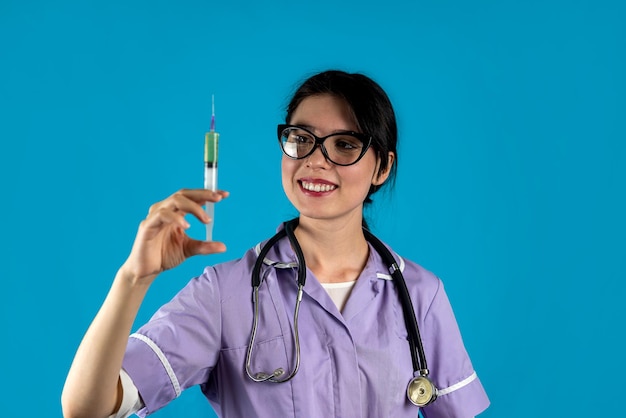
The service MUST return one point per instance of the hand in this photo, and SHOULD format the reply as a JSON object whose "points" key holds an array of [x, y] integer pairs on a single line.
{"points": [[162, 243]]}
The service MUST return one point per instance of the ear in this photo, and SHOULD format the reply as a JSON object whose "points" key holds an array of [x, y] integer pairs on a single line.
{"points": [[380, 178]]}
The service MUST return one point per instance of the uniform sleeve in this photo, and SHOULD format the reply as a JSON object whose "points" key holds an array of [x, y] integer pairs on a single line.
{"points": [[460, 393], [179, 346]]}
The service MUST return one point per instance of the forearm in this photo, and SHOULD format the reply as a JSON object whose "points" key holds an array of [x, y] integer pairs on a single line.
{"points": [[91, 388]]}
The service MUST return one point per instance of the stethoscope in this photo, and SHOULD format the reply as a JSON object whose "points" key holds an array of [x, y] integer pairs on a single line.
{"points": [[421, 391]]}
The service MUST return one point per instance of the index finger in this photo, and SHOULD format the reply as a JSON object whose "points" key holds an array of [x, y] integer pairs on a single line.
{"points": [[204, 195], [191, 201]]}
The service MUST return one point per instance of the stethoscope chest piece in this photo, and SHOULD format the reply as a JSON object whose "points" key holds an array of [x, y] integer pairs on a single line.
{"points": [[421, 391]]}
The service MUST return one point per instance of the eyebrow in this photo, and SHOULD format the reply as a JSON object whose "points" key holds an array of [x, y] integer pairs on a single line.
{"points": [[302, 125], [337, 131]]}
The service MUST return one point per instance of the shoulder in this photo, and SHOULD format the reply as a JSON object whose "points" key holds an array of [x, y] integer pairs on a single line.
{"points": [[231, 274], [232, 267], [235, 275], [420, 282], [414, 274], [423, 285]]}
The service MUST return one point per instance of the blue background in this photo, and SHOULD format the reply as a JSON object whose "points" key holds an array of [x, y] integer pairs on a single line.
{"points": [[511, 178]]}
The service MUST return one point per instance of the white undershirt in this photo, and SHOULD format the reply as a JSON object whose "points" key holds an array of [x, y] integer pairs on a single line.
{"points": [[131, 402], [339, 292]]}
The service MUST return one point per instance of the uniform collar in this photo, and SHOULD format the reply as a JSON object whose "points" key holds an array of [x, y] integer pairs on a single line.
{"points": [[367, 287], [283, 256]]}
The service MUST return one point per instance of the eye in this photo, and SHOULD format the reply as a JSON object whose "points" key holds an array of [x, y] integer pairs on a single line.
{"points": [[300, 137], [347, 144]]}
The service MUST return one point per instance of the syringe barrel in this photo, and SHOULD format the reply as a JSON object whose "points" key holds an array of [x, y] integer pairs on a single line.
{"points": [[210, 176], [211, 140]]}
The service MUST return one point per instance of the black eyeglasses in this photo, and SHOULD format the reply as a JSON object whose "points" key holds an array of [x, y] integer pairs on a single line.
{"points": [[342, 148]]}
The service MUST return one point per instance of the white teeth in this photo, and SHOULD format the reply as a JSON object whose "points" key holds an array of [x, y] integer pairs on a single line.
{"points": [[316, 187]]}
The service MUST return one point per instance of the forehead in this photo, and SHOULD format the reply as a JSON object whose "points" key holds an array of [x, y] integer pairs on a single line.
{"points": [[324, 112]]}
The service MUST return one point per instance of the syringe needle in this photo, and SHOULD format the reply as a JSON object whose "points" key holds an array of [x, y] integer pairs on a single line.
{"points": [[211, 140], [212, 112]]}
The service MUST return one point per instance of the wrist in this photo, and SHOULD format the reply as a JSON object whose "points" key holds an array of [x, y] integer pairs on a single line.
{"points": [[127, 277]]}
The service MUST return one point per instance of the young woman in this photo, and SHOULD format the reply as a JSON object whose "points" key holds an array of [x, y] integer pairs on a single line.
{"points": [[324, 332]]}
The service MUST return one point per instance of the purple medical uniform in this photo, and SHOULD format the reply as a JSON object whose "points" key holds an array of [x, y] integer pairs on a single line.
{"points": [[354, 363]]}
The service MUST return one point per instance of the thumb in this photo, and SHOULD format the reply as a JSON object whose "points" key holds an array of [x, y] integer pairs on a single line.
{"points": [[196, 247]]}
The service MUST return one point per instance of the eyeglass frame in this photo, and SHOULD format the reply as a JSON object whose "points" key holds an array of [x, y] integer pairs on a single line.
{"points": [[319, 141]]}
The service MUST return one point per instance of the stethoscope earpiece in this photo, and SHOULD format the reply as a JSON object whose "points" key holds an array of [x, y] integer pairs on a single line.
{"points": [[421, 391]]}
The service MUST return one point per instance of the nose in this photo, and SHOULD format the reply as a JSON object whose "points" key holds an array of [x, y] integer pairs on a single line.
{"points": [[317, 158]]}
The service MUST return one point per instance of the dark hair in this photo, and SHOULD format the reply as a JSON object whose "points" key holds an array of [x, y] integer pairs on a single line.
{"points": [[370, 106]]}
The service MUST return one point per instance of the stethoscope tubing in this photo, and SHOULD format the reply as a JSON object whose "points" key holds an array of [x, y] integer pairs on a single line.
{"points": [[421, 391], [273, 377], [415, 341]]}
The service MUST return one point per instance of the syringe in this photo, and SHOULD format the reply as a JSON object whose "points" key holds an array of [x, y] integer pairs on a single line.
{"points": [[211, 140]]}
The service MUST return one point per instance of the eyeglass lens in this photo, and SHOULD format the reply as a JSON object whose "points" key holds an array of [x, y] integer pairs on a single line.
{"points": [[341, 148]]}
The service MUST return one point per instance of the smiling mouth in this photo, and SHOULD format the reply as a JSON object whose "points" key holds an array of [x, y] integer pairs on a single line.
{"points": [[317, 187]]}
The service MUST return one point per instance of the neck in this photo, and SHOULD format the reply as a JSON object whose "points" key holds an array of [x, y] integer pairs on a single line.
{"points": [[335, 251]]}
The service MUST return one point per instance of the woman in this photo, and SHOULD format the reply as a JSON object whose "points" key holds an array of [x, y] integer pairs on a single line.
{"points": [[339, 147]]}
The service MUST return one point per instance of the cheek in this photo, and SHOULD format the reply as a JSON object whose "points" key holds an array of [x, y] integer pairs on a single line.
{"points": [[366, 169], [287, 169], [357, 181]]}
